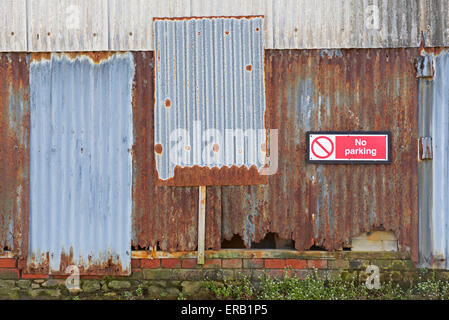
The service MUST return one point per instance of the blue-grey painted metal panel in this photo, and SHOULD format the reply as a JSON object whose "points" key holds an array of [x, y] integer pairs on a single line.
{"points": [[81, 168], [209, 84], [434, 173]]}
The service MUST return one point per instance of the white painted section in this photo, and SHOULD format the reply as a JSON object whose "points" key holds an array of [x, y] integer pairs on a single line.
{"points": [[67, 25], [13, 25], [95, 25]]}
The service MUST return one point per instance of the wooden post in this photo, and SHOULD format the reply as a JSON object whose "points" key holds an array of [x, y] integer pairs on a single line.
{"points": [[201, 223]]}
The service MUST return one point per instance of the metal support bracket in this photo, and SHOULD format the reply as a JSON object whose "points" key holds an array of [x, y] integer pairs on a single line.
{"points": [[425, 67], [425, 148]]}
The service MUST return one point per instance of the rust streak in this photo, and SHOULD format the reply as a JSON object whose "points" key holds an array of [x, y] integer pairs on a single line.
{"points": [[14, 162]]}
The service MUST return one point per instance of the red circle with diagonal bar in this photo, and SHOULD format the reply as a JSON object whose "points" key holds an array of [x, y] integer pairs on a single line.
{"points": [[316, 145]]}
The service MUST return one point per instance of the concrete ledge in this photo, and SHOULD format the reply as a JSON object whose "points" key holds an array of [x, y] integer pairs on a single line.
{"points": [[271, 253]]}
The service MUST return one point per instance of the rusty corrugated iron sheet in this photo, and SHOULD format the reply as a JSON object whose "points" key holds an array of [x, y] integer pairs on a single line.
{"points": [[14, 153], [326, 205], [164, 217], [321, 205]]}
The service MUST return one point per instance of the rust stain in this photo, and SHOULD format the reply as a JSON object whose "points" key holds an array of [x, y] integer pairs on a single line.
{"points": [[436, 51], [40, 56], [205, 176], [158, 148], [110, 267], [249, 67], [208, 17], [96, 57], [14, 160], [167, 103]]}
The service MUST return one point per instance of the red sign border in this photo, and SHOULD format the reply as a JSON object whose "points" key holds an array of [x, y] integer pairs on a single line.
{"points": [[366, 133], [315, 141]]}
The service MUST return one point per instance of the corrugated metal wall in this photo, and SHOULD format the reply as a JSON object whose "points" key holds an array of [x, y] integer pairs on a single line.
{"points": [[163, 217], [86, 25], [14, 153], [327, 205], [311, 204], [210, 100], [434, 174], [317, 90], [81, 163]]}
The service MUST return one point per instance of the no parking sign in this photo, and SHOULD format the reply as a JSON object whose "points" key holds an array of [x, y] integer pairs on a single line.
{"points": [[348, 147]]}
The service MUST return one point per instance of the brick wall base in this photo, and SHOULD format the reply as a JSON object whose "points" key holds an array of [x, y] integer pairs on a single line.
{"points": [[159, 275]]}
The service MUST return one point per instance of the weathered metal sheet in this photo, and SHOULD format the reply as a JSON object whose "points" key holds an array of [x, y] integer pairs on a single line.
{"points": [[312, 204], [326, 205], [131, 21], [289, 24], [14, 151], [163, 217], [435, 22], [13, 29], [83, 25], [81, 163], [209, 101], [434, 173], [67, 25], [306, 24]]}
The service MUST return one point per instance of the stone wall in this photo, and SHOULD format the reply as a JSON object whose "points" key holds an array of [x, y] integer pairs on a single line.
{"points": [[161, 275]]}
